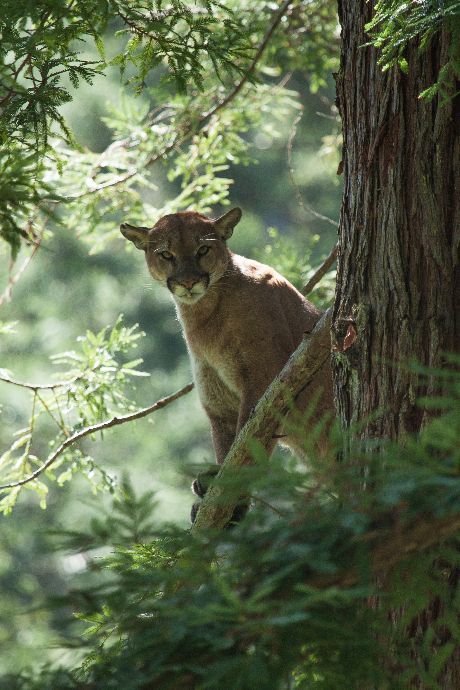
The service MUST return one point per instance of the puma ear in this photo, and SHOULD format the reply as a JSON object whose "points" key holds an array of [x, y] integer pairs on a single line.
{"points": [[225, 224], [139, 236]]}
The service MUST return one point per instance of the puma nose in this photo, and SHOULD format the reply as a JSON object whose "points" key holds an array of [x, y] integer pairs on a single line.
{"points": [[189, 282]]}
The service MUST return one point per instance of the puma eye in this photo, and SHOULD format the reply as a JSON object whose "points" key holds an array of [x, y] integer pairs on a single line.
{"points": [[203, 250], [167, 255]]}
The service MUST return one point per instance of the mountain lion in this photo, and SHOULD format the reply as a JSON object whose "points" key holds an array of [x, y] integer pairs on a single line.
{"points": [[241, 319]]}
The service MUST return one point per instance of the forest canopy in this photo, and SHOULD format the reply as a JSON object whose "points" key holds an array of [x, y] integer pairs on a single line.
{"points": [[110, 111]]}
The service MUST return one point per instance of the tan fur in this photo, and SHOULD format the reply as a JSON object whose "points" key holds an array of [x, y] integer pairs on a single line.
{"points": [[241, 319]]}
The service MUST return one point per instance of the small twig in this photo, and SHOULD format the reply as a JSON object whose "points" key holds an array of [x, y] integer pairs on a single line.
{"points": [[60, 424], [15, 73], [48, 386], [306, 208], [14, 76], [105, 185], [61, 417], [26, 453], [326, 116], [115, 421], [321, 271], [12, 280], [154, 16], [40, 386]]}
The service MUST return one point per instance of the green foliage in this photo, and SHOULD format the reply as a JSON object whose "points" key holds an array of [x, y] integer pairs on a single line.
{"points": [[396, 23], [282, 600], [197, 53], [39, 41], [312, 43], [20, 196], [41, 62], [265, 604], [89, 391], [36, 50], [129, 521], [184, 38], [198, 169]]}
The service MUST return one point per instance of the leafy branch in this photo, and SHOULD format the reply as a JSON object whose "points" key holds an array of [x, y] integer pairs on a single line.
{"points": [[198, 122], [101, 426], [251, 69], [205, 46], [200, 166], [390, 547], [181, 37], [395, 24], [78, 405]]}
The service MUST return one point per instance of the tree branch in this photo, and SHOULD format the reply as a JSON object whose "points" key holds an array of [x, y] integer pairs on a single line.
{"points": [[314, 350], [39, 386], [180, 139], [115, 421], [321, 271], [260, 51], [306, 208], [154, 16], [13, 279]]}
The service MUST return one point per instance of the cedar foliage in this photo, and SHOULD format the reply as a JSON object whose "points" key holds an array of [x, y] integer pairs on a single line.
{"points": [[200, 51], [281, 600], [395, 24]]}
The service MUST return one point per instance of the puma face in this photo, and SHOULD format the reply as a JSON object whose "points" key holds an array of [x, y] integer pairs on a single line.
{"points": [[185, 252]]}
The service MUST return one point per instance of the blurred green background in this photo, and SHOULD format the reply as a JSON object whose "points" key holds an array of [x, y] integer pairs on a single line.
{"points": [[66, 291]]}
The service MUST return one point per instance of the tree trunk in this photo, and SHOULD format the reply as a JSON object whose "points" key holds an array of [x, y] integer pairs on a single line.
{"points": [[398, 271], [398, 279]]}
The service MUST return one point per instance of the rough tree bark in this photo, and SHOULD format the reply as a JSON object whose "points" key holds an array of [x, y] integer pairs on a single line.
{"points": [[398, 273], [398, 278]]}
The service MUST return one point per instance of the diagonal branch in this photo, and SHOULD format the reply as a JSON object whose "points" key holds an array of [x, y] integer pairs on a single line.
{"points": [[321, 271], [312, 353], [13, 279], [87, 431], [249, 72], [306, 208]]}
